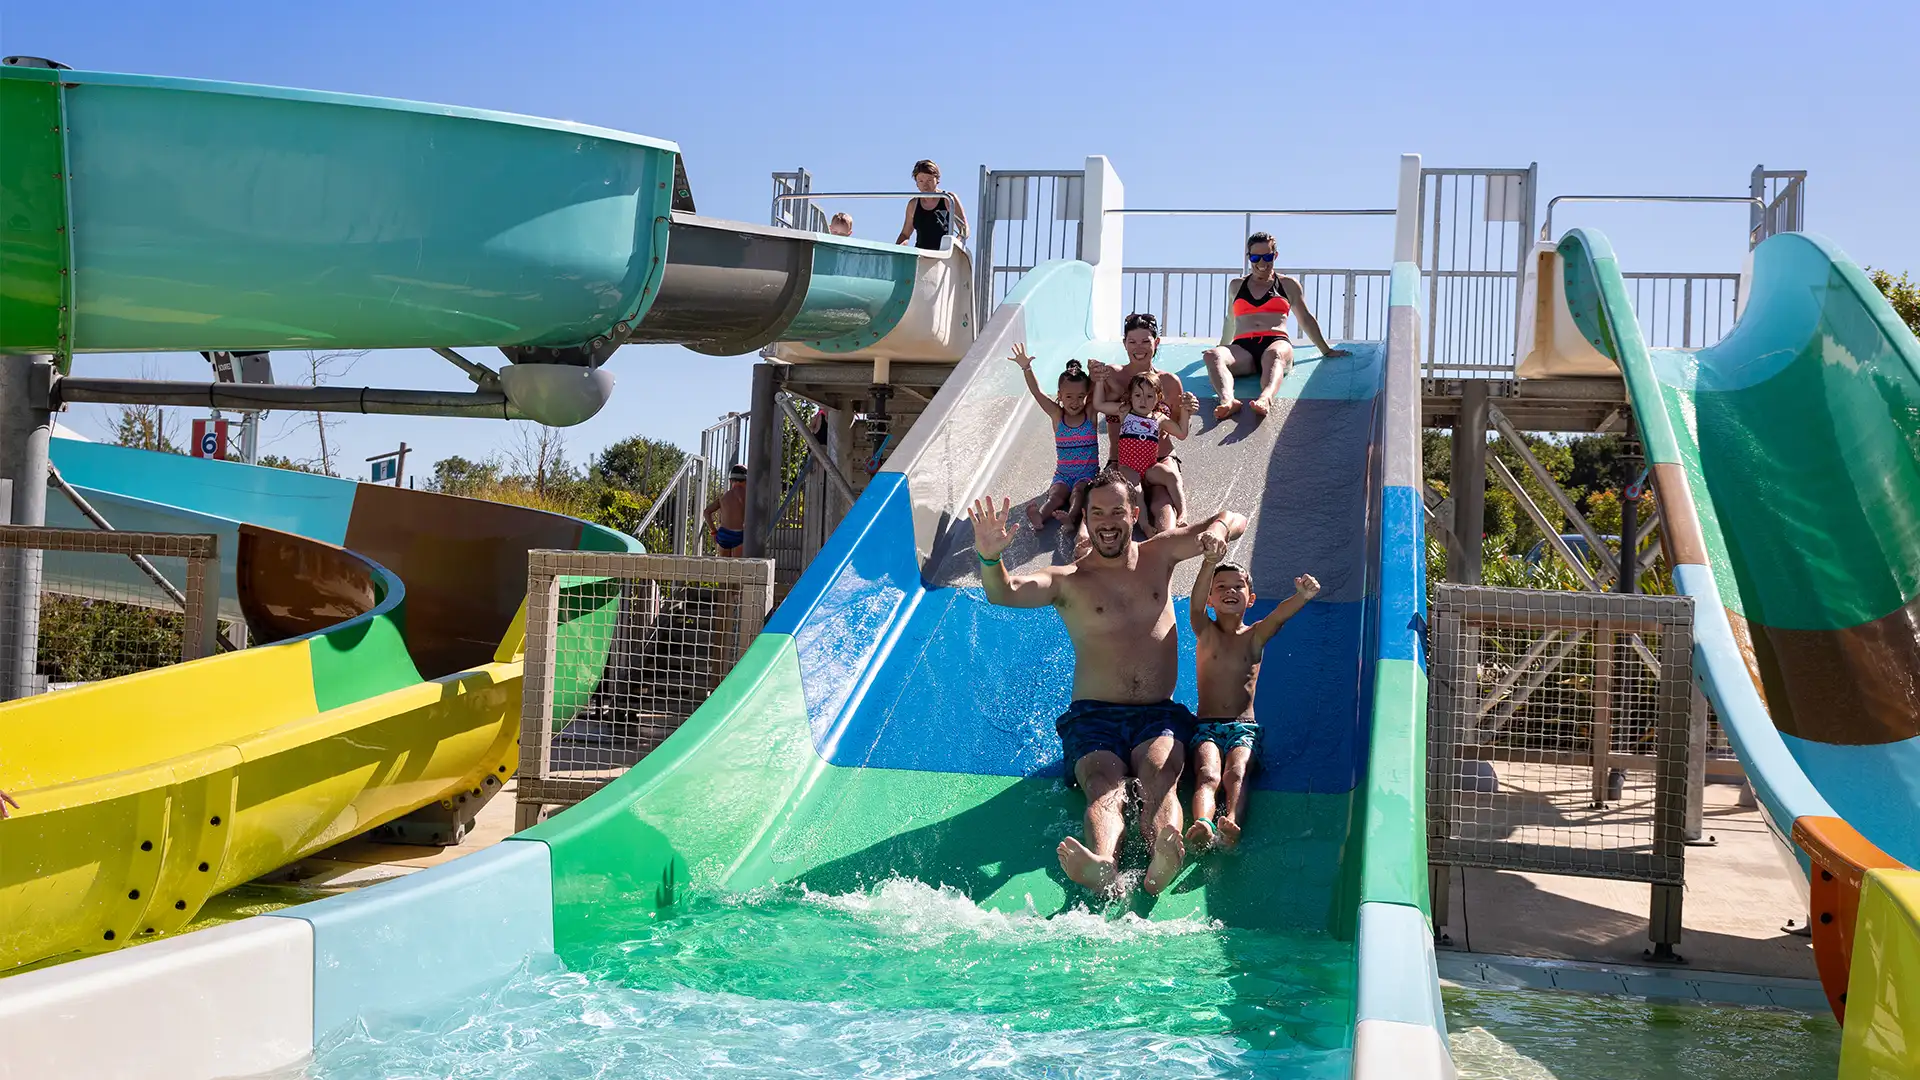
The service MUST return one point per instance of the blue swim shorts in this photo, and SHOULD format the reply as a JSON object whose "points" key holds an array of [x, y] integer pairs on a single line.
{"points": [[1226, 734], [728, 539], [1118, 727]]}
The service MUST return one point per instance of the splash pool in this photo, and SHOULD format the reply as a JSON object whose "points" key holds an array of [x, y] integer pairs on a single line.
{"points": [[910, 980]]}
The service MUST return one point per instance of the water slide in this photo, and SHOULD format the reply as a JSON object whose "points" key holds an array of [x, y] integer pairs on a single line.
{"points": [[888, 726], [1786, 459], [149, 214]]}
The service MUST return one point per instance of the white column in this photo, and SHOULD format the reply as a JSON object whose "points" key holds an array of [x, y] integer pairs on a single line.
{"points": [[1101, 236], [1406, 215]]}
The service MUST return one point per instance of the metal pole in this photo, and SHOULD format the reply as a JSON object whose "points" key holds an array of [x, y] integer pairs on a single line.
{"points": [[1696, 768], [1469, 484], [342, 399], [763, 459], [26, 426]]}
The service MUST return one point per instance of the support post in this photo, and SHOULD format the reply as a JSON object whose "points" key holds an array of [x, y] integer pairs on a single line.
{"points": [[26, 427], [1696, 768], [1101, 238], [1468, 485], [763, 459]]}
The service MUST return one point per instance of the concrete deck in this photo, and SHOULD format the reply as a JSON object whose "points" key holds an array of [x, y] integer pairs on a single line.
{"points": [[1739, 895], [359, 862]]}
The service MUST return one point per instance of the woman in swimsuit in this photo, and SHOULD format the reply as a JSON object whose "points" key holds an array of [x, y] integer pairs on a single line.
{"points": [[931, 219], [1075, 442], [1254, 335]]}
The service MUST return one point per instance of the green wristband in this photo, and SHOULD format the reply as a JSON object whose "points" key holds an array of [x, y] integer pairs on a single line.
{"points": [[995, 561]]}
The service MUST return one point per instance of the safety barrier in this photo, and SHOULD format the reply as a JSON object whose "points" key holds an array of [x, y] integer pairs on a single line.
{"points": [[1558, 737], [107, 609], [621, 649]]}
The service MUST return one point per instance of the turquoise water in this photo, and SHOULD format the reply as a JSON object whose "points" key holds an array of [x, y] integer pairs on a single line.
{"points": [[1542, 1035], [905, 980]]}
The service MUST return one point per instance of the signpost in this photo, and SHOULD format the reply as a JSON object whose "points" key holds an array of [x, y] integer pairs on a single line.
{"points": [[391, 465], [210, 438]]}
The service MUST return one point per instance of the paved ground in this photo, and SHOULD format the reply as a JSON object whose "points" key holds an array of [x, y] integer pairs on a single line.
{"points": [[360, 862], [1739, 895]]}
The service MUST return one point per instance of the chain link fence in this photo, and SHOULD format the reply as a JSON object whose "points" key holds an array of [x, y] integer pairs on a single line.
{"points": [[1558, 728], [621, 649], [102, 604]]}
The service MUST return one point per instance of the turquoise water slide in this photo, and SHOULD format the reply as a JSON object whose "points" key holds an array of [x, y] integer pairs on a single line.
{"points": [[1786, 458], [849, 849]]}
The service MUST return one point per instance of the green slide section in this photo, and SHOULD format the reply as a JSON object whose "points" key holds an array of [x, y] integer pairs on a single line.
{"points": [[1799, 439]]}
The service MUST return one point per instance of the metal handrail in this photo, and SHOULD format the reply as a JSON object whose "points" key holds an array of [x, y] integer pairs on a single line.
{"points": [[1546, 228], [1244, 213], [960, 224], [660, 500]]}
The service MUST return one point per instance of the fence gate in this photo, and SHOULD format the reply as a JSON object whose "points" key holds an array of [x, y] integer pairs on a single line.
{"points": [[1025, 218], [621, 649], [1476, 228], [1558, 738]]}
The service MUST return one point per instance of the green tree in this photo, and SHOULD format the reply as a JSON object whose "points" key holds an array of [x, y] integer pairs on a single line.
{"points": [[456, 475], [639, 464], [1902, 293], [146, 427], [279, 461]]}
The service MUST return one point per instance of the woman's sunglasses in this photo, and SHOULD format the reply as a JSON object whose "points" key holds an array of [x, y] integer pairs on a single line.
{"points": [[1260, 258]]}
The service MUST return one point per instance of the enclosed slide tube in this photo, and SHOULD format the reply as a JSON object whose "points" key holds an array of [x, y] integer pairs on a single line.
{"points": [[811, 762], [150, 214], [1786, 459]]}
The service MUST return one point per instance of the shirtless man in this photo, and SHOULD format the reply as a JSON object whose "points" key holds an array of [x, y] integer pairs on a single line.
{"points": [[1166, 506], [730, 510], [1253, 334], [1118, 609]]}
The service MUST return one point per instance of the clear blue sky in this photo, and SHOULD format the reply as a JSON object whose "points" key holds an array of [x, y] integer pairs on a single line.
{"points": [[1221, 105]]}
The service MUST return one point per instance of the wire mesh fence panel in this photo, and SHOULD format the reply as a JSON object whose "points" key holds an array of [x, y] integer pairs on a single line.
{"points": [[1558, 732], [621, 649], [101, 604]]}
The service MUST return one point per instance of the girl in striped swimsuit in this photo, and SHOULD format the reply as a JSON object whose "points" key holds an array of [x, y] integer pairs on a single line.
{"points": [[1074, 440]]}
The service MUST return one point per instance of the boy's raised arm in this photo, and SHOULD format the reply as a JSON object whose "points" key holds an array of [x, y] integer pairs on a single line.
{"points": [[1203, 587], [1305, 588]]}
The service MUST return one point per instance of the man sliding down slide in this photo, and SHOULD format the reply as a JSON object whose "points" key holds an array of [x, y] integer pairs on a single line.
{"points": [[1117, 604]]}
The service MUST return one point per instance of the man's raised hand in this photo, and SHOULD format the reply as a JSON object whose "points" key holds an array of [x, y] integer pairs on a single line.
{"points": [[1307, 586], [1020, 357], [992, 529]]}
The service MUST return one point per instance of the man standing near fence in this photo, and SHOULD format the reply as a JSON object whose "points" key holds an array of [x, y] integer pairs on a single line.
{"points": [[1253, 332], [727, 515]]}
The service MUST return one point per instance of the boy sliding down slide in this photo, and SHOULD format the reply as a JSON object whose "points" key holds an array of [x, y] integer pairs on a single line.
{"points": [[1227, 665]]}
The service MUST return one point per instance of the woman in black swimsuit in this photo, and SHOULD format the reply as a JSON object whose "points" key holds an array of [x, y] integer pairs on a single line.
{"points": [[1253, 340], [931, 220]]}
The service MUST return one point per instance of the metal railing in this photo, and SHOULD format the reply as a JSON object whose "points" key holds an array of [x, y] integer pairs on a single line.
{"points": [[1191, 302], [806, 198], [1782, 197], [1759, 205], [1027, 217], [797, 213], [620, 651], [1558, 736], [1684, 310], [105, 608], [1476, 228]]}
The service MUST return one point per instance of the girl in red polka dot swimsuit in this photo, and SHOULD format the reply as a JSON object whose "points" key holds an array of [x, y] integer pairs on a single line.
{"points": [[1136, 446]]}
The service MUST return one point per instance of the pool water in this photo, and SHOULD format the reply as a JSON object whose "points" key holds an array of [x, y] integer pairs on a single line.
{"points": [[1544, 1035], [904, 980], [908, 980]]}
